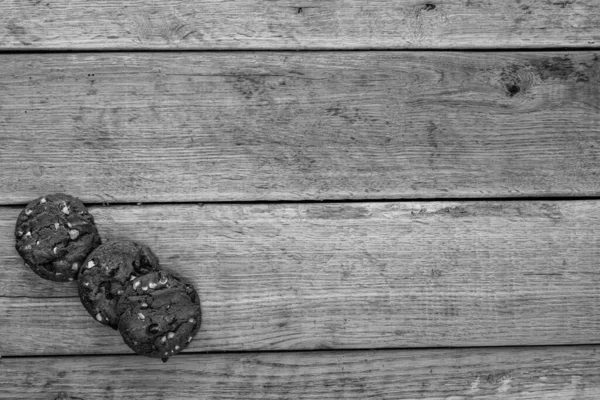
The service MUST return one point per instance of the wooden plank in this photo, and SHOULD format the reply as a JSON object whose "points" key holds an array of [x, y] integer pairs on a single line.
{"points": [[307, 24], [560, 373], [155, 127], [320, 276]]}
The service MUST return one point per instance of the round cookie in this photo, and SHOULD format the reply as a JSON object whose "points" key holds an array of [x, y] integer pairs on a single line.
{"points": [[159, 315], [105, 274], [55, 233]]}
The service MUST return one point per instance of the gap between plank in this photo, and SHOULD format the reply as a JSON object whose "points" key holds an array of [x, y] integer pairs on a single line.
{"points": [[312, 50], [331, 201], [407, 349]]}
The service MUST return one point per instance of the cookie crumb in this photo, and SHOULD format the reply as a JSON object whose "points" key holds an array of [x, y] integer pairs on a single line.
{"points": [[56, 225], [170, 335], [152, 285], [99, 317], [163, 339], [136, 284], [144, 288], [91, 264], [43, 200], [65, 210]]}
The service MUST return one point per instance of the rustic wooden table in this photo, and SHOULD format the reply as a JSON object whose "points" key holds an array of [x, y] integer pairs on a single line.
{"points": [[396, 200]]}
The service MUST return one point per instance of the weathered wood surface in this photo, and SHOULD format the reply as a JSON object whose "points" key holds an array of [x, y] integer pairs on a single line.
{"points": [[310, 24], [319, 276], [556, 373], [156, 127]]}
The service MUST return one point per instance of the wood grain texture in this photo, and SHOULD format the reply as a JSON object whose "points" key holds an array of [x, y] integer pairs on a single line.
{"points": [[320, 276], [558, 373], [154, 127], [308, 24]]}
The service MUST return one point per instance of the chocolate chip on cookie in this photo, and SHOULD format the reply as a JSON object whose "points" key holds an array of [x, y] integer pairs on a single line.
{"points": [[159, 315], [106, 273], [55, 233]]}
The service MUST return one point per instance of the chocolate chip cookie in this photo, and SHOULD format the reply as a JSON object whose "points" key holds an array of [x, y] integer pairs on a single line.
{"points": [[55, 233], [105, 274], [159, 315]]}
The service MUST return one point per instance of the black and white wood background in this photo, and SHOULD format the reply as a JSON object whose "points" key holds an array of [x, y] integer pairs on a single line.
{"points": [[376, 199]]}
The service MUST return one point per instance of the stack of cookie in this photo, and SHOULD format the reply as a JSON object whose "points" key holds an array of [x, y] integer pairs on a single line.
{"points": [[121, 284]]}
